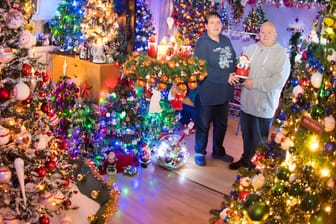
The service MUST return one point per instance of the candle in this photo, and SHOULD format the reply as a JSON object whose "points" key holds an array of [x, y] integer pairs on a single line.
{"points": [[65, 65], [162, 49]]}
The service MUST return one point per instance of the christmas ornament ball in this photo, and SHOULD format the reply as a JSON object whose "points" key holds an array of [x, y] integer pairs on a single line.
{"points": [[320, 217], [258, 212], [4, 93], [251, 200], [170, 153], [44, 220], [5, 174], [309, 202], [21, 91], [4, 135]]}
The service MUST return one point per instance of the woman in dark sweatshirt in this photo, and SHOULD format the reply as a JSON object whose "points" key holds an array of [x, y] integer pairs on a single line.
{"points": [[212, 96]]}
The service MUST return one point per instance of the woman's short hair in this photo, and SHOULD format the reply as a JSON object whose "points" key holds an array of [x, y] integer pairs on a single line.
{"points": [[211, 14]]}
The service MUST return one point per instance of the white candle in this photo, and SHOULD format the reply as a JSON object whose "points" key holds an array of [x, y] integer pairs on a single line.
{"points": [[65, 65]]}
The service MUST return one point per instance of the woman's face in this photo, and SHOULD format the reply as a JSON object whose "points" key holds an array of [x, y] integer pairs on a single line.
{"points": [[267, 35], [214, 26]]}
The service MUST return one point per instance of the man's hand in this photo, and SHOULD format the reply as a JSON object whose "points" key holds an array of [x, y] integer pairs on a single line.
{"points": [[248, 83], [233, 79]]}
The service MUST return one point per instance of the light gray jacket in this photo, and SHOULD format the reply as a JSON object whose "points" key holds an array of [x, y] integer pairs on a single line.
{"points": [[269, 70]]}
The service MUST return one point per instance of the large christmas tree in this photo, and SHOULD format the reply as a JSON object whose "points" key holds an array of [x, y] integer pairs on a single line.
{"points": [[35, 174], [294, 181]]}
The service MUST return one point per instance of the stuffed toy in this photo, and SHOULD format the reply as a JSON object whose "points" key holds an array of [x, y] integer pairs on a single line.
{"points": [[243, 67]]}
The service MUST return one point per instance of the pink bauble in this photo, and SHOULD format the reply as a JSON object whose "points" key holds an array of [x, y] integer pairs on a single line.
{"points": [[21, 91], [5, 174], [14, 19], [27, 40]]}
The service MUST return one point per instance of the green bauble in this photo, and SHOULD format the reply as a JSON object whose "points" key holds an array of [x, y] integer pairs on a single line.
{"points": [[283, 173], [320, 217], [309, 202], [251, 200], [258, 211], [279, 189], [317, 111], [295, 190]]}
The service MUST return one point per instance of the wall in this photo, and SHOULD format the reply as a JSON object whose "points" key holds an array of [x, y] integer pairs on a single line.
{"points": [[281, 17]]}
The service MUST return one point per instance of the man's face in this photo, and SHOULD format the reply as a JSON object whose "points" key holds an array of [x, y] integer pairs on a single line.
{"points": [[267, 35]]}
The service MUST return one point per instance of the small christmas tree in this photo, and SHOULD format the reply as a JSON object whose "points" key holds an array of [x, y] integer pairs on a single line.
{"points": [[65, 26], [191, 13], [253, 21], [99, 27], [144, 28]]}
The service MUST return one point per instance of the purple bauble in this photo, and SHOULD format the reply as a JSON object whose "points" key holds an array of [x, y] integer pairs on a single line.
{"points": [[329, 147]]}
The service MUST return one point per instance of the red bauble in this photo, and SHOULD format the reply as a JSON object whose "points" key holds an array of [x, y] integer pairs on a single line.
{"points": [[4, 93], [66, 182], [27, 101], [67, 203], [44, 220], [45, 107], [45, 76], [26, 69], [51, 165], [41, 171]]}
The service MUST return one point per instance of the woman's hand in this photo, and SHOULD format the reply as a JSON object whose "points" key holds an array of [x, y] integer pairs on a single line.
{"points": [[233, 79]]}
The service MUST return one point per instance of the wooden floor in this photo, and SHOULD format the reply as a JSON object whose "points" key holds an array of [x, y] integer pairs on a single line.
{"points": [[156, 195]]}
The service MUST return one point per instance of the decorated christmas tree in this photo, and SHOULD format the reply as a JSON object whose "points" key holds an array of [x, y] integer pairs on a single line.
{"points": [[99, 27], [254, 19], [294, 180], [225, 17], [65, 26], [144, 28], [35, 173], [193, 14], [119, 126]]}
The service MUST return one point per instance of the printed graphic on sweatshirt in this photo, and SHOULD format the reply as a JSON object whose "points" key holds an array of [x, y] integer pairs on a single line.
{"points": [[225, 56]]}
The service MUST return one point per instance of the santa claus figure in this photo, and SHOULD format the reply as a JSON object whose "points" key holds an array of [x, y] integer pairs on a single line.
{"points": [[111, 163], [243, 67]]}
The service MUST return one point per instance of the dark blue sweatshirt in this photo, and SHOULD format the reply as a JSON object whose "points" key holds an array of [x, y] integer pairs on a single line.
{"points": [[221, 60]]}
